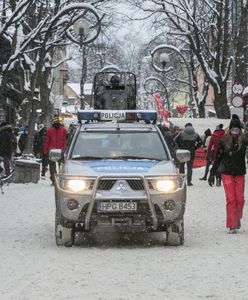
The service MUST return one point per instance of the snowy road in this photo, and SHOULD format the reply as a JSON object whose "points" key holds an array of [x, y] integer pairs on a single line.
{"points": [[211, 265]]}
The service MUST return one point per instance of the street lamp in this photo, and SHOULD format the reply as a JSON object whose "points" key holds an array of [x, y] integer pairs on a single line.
{"points": [[164, 49], [164, 59], [83, 31]]}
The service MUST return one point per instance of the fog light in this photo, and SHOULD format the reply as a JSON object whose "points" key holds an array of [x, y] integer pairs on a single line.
{"points": [[72, 204], [169, 204]]}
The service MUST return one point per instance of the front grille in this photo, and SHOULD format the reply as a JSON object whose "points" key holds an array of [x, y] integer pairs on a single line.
{"points": [[106, 184], [136, 184]]}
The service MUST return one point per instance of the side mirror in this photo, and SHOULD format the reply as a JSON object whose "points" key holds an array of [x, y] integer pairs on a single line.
{"points": [[182, 155], [56, 154]]}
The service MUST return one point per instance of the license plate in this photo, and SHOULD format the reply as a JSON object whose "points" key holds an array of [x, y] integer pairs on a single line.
{"points": [[116, 206]]}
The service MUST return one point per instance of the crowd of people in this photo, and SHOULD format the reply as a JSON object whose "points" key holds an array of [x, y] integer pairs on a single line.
{"points": [[13, 144]]}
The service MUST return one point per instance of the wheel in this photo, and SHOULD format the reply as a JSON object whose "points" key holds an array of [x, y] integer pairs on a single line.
{"points": [[175, 233], [64, 235]]}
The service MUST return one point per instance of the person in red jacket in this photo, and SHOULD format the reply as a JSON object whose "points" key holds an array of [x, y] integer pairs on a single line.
{"points": [[212, 150], [55, 139], [214, 142]]}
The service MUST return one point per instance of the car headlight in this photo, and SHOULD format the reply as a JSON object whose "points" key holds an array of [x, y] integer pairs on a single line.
{"points": [[76, 185], [165, 186]]}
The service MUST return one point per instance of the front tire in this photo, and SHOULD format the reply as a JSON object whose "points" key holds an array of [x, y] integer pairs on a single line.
{"points": [[64, 233], [175, 233]]}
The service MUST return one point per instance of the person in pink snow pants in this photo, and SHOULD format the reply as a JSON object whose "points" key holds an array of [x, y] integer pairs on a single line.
{"points": [[231, 163]]}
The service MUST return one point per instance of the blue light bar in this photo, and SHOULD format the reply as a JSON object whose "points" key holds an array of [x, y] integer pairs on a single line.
{"points": [[118, 115]]}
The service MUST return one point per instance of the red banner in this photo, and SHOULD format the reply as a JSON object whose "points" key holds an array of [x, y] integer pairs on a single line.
{"points": [[182, 108], [163, 112]]}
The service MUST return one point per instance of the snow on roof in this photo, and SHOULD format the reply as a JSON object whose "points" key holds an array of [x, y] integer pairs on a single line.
{"points": [[76, 88], [110, 67]]}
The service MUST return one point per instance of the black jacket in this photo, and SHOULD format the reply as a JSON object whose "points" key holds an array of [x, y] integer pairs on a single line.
{"points": [[22, 141], [188, 140], [168, 139], [7, 140], [231, 161], [39, 141]]}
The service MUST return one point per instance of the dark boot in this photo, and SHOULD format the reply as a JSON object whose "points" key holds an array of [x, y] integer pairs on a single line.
{"points": [[203, 178], [218, 181], [239, 224]]}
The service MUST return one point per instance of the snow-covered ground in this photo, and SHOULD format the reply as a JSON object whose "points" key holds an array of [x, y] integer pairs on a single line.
{"points": [[211, 265]]}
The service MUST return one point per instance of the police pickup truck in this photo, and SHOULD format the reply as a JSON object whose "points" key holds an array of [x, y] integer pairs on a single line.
{"points": [[119, 176]]}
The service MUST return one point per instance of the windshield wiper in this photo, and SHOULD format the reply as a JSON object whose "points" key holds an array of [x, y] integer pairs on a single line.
{"points": [[88, 158], [134, 157], [124, 157]]}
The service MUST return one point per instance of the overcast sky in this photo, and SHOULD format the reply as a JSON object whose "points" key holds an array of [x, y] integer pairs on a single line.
{"points": [[140, 28]]}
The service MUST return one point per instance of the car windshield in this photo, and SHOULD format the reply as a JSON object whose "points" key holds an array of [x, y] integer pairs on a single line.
{"points": [[119, 145]]}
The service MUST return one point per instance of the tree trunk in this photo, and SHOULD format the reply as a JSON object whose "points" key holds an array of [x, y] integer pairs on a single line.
{"points": [[201, 109], [220, 103], [31, 124], [44, 96], [241, 50]]}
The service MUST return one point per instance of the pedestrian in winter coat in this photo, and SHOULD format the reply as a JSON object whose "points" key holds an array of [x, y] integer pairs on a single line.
{"points": [[167, 134], [206, 141], [6, 146], [230, 162], [23, 139], [17, 137], [55, 139], [207, 134], [38, 148], [212, 150], [189, 140], [39, 141]]}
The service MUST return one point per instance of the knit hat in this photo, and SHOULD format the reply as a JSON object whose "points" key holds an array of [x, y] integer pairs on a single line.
{"points": [[235, 117], [56, 119], [235, 123], [188, 124], [219, 127]]}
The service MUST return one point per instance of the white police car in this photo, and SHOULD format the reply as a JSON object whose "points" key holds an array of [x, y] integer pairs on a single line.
{"points": [[119, 176]]}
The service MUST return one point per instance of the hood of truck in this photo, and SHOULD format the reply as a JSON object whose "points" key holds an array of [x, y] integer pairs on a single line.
{"points": [[101, 167]]}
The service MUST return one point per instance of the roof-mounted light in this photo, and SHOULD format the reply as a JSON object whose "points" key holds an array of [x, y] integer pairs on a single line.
{"points": [[118, 115]]}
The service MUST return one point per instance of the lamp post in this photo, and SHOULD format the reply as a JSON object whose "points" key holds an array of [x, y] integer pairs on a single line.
{"points": [[85, 30], [32, 121], [164, 49], [82, 28], [164, 59]]}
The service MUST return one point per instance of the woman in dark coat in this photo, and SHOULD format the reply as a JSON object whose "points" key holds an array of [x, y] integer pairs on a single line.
{"points": [[6, 145], [230, 162]]}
